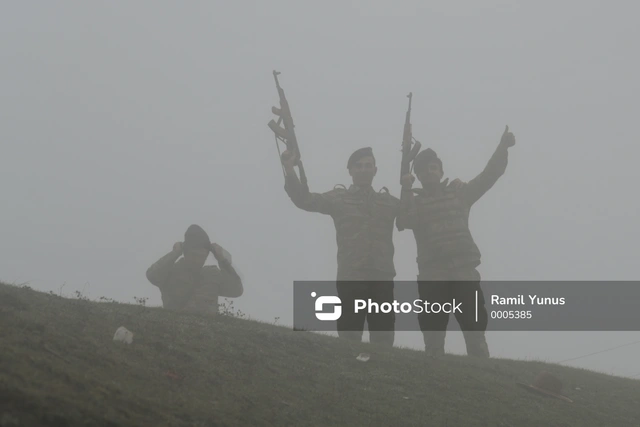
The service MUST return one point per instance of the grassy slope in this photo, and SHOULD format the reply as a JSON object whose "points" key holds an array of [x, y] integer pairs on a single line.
{"points": [[59, 367]]}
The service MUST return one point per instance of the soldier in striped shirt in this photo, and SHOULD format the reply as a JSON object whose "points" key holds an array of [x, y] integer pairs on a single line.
{"points": [[448, 257], [364, 220]]}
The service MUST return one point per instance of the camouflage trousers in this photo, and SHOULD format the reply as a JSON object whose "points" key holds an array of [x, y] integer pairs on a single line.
{"points": [[443, 285], [381, 325]]}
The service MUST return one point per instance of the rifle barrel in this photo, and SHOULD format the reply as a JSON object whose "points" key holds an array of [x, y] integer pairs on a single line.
{"points": [[275, 76]]}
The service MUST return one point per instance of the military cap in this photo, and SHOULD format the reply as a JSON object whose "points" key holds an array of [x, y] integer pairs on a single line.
{"points": [[359, 154], [425, 157], [196, 238]]}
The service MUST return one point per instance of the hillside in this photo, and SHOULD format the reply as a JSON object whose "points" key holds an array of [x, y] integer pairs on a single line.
{"points": [[59, 366]]}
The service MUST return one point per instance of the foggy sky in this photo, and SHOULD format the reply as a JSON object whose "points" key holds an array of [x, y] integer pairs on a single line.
{"points": [[123, 123]]}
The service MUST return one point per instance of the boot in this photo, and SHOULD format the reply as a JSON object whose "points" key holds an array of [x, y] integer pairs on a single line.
{"points": [[434, 343], [476, 344]]}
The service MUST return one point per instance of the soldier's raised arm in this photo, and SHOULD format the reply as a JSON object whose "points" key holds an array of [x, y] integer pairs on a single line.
{"points": [[407, 215], [300, 194], [228, 281], [495, 168], [159, 271]]}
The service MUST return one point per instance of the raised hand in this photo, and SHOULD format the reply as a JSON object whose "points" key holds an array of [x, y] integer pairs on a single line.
{"points": [[289, 159], [407, 181], [508, 139], [218, 253], [457, 184]]}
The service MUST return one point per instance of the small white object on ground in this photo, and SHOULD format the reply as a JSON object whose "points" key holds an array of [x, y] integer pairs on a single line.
{"points": [[363, 357], [123, 335]]}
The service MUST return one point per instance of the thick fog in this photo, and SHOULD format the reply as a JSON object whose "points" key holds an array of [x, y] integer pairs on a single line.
{"points": [[125, 122]]}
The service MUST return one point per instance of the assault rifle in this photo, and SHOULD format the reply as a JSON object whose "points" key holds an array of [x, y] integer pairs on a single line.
{"points": [[287, 134], [408, 153]]}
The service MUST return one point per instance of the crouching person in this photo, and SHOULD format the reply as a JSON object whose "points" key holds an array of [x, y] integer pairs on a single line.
{"points": [[186, 284]]}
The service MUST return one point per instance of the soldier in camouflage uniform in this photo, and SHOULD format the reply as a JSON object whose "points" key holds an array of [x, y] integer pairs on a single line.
{"points": [[438, 214], [364, 221], [189, 285]]}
